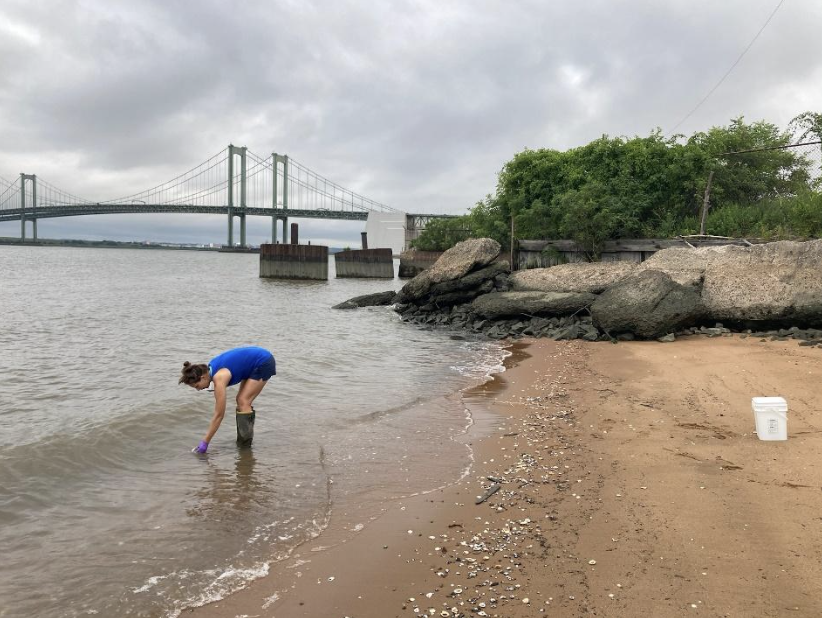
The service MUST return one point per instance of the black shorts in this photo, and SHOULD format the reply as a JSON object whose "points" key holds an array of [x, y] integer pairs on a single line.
{"points": [[265, 371]]}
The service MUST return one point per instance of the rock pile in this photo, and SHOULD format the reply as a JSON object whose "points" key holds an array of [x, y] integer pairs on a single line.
{"points": [[777, 284], [768, 290], [468, 289]]}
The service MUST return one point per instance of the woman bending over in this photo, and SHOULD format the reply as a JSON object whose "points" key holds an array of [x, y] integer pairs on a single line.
{"points": [[250, 367]]}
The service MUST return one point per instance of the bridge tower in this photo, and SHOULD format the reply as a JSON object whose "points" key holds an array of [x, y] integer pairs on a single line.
{"points": [[32, 178], [276, 160], [232, 151]]}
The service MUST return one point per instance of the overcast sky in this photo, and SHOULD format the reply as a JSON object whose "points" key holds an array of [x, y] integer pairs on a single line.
{"points": [[416, 104]]}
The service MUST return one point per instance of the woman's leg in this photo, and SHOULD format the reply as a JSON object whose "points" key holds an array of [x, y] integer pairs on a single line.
{"points": [[249, 389]]}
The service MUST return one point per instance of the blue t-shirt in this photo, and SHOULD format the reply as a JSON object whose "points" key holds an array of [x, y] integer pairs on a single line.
{"points": [[240, 362]]}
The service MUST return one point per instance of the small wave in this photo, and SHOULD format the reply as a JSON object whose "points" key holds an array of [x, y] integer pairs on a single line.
{"points": [[150, 583], [489, 358], [234, 579], [224, 583], [213, 585]]}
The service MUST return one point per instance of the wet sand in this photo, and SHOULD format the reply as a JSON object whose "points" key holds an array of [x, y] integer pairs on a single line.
{"points": [[627, 480]]}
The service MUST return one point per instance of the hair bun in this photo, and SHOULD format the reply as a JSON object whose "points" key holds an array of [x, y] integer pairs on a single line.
{"points": [[186, 365]]}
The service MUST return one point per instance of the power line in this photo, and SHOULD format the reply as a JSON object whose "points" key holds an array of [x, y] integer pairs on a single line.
{"points": [[733, 66], [736, 152]]}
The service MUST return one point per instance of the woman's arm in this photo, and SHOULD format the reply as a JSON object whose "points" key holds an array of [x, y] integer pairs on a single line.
{"points": [[220, 380]]}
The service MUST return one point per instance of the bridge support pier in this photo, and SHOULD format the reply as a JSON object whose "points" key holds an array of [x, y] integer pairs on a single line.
{"points": [[276, 159], [241, 216], [232, 151], [274, 231], [32, 178]]}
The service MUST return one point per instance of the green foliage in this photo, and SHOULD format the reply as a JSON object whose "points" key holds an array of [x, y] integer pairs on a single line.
{"points": [[442, 234], [651, 187], [487, 221], [750, 176], [641, 187], [796, 217], [590, 216], [808, 127]]}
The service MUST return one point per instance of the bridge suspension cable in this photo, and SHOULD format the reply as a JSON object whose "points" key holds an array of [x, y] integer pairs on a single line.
{"points": [[46, 193], [320, 191], [9, 194], [49, 195], [307, 190], [203, 185]]}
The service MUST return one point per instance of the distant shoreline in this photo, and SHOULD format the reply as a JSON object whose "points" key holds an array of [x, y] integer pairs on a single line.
{"points": [[112, 244]]}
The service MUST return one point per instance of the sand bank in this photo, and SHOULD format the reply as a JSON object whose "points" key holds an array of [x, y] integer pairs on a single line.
{"points": [[627, 481]]}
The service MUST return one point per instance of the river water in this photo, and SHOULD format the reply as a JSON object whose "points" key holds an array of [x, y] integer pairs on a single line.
{"points": [[105, 511]]}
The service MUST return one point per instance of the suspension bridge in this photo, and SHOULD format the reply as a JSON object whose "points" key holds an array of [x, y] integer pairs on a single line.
{"points": [[235, 182]]}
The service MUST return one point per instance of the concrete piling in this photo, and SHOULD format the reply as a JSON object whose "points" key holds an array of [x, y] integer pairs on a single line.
{"points": [[412, 263], [365, 263], [294, 261]]}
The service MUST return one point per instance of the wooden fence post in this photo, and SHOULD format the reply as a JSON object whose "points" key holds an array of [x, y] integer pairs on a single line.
{"points": [[706, 204], [513, 266]]}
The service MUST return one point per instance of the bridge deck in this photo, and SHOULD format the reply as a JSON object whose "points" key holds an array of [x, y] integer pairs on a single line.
{"points": [[48, 212]]}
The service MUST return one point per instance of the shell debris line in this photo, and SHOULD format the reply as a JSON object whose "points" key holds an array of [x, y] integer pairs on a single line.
{"points": [[485, 565]]}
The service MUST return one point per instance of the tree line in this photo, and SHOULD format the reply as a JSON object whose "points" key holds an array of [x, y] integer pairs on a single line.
{"points": [[653, 187]]}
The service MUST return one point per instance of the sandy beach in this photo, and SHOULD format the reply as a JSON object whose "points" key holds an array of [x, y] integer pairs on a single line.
{"points": [[617, 480]]}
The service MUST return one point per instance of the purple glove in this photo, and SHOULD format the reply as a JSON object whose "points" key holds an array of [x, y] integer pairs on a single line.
{"points": [[200, 448]]}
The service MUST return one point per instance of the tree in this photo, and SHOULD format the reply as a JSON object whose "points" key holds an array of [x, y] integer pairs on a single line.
{"points": [[748, 163], [590, 217], [806, 126]]}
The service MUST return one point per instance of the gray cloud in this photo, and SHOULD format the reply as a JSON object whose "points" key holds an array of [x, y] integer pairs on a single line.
{"points": [[416, 104]]}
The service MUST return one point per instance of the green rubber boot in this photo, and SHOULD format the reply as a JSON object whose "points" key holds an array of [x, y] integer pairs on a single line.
{"points": [[245, 429]]}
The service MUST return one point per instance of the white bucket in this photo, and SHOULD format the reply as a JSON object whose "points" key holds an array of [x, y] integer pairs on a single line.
{"points": [[771, 415]]}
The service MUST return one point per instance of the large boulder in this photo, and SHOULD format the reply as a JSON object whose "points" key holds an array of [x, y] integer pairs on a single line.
{"points": [[459, 296], [776, 282], [368, 300], [649, 304], [779, 281], [593, 277], [471, 280], [684, 265], [500, 304], [455, 263]]}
